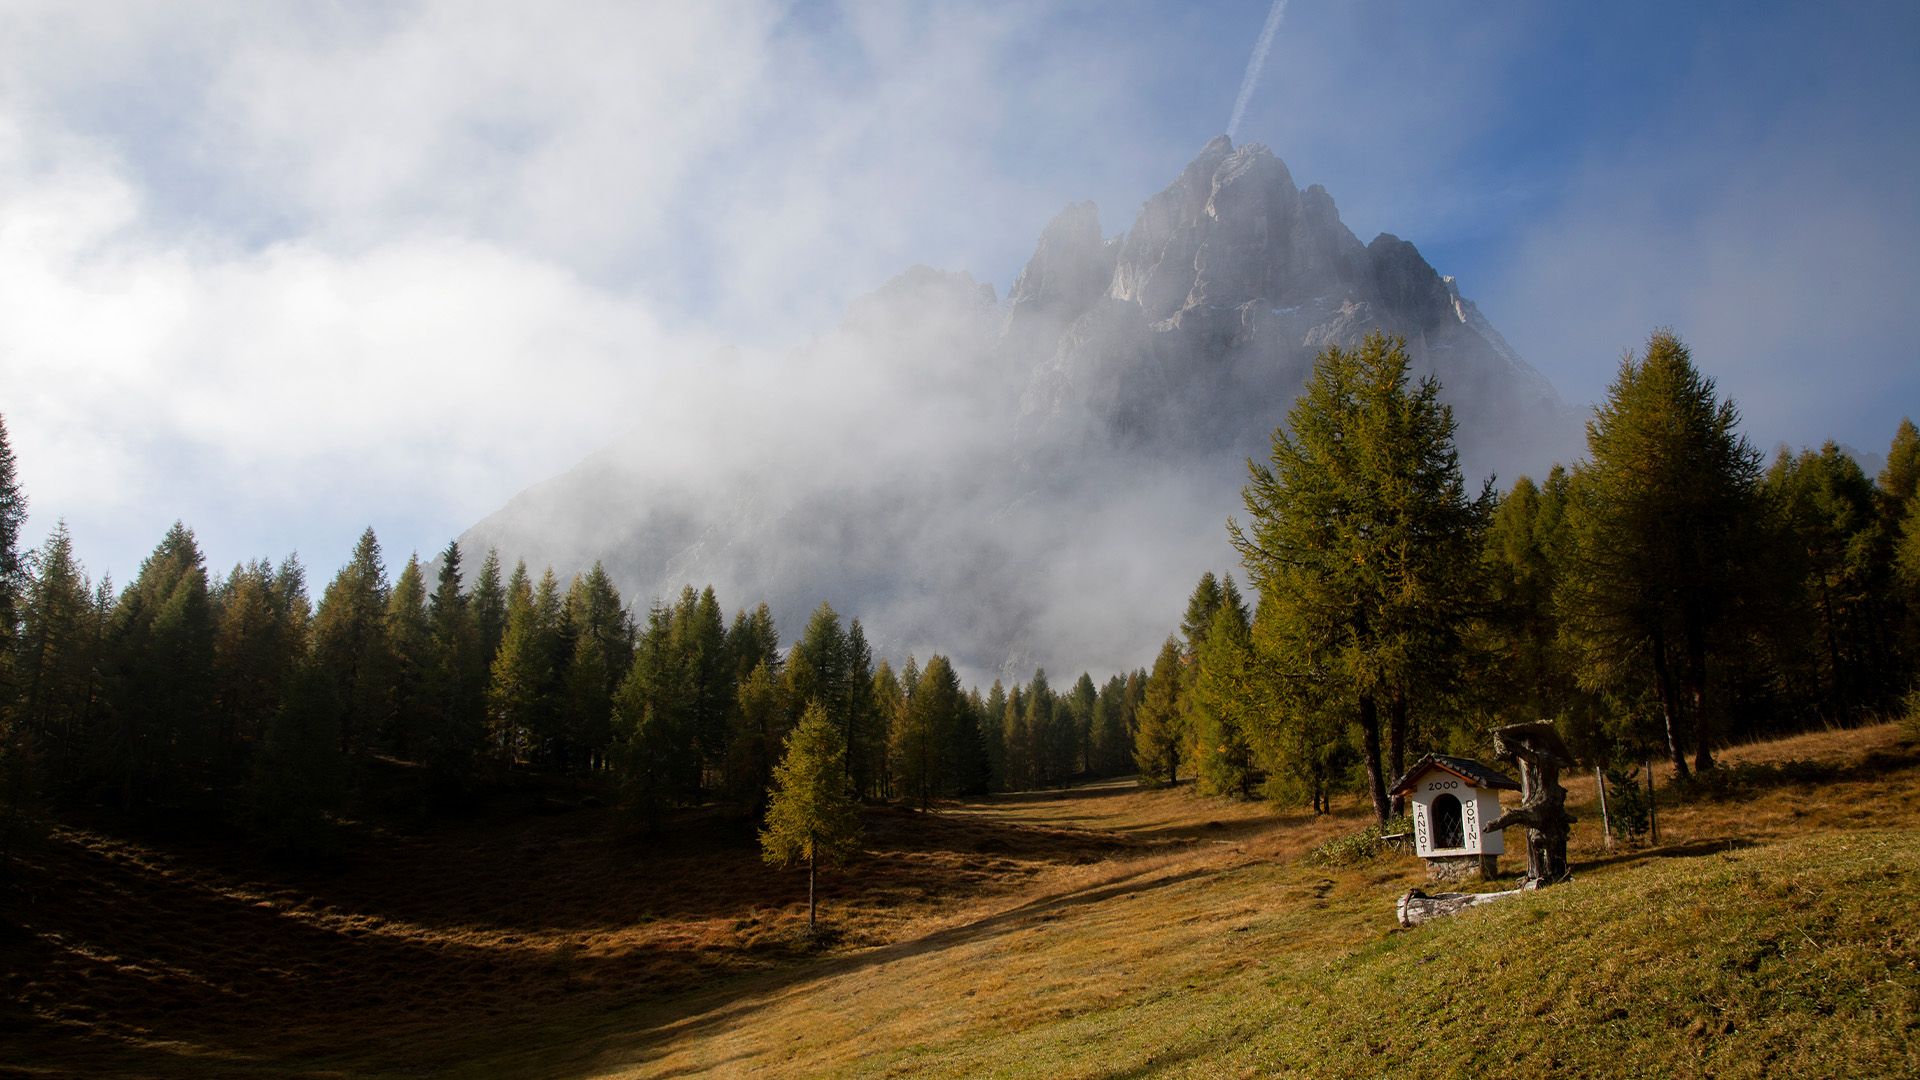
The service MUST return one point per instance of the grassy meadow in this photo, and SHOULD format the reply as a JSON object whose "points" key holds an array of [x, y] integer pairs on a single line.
{"points": [[1101, 931]]}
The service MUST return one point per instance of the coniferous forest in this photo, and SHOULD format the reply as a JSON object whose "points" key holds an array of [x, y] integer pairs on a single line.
{"points": [[1671, 592]]}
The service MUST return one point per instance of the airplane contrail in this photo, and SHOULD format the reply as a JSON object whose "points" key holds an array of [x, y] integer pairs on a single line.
{"points": [[1255, 63]]}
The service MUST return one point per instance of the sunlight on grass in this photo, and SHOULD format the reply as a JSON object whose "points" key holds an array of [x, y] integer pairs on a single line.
{"points": [[1097, 931]]}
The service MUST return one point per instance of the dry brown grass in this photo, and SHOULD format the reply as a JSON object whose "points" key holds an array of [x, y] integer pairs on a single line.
{"points": [[572, 945]]}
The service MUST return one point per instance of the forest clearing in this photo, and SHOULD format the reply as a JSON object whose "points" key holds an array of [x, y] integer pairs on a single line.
{"points": [[1097, 931]]}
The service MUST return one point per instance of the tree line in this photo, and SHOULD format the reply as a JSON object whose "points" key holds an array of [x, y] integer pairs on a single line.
{"points": [[236, 695], [1659, 598]]}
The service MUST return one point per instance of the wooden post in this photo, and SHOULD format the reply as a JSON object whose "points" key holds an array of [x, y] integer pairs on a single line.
{"points": [[1606, 823], [1653, 823]]}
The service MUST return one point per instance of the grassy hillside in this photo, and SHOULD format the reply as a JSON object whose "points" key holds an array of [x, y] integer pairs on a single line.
{"points": [[1098, 932]]}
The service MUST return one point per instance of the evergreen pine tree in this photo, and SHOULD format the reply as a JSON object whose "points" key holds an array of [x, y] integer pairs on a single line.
{"points": [[1838, 548], [409, 648], [17, 775], [299, 776], [57, 658], [518, 679], [252, 660], [1160, 735], [916, 748], [818, 672], [1223, 703], [602, 652], [1363, 545], [993, 736], [1112, 730], [1080, 707], [1039, 730], [13, 570], [811, 816], [160, 658], [1019, 755], [760, 729], [350, 646], [1663, 525], [652, 720], [752, 641], [701, 641], [890, 702], [489, 604], [865, 728], [456, 680], [1899, 480]]}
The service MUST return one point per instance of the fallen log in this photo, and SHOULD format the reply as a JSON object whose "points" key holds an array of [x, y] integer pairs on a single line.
{"points": [[1417, 907]]}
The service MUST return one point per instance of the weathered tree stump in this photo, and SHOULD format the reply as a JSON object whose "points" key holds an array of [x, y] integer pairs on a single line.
{"points": [[1417, 907], [1543, 802]]}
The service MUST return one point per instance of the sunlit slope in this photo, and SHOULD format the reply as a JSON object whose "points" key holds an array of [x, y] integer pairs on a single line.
{"points": [[1770, 934], [1102, 931]]}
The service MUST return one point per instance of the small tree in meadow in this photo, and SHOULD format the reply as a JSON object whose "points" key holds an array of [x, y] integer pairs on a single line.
{"points": [[812, 815]]}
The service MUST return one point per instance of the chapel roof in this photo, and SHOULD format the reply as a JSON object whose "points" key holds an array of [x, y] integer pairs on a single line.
{"points": [[1473, 772]]}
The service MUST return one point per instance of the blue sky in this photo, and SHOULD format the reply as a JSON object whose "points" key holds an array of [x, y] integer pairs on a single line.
{"points": [[285, 271]]}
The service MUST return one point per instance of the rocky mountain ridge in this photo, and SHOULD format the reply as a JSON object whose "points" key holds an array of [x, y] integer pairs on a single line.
{"points": [[1040, 479]]}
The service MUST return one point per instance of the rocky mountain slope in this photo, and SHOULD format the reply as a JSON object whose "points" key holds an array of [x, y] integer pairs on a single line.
{"points": [[1037, 479]]}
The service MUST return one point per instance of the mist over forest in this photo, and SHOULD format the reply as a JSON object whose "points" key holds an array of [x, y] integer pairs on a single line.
{"points": [[1021, 482], [856, 538]]}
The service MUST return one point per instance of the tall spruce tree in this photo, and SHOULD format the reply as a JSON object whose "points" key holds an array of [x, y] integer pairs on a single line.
{"points": [[13, 570], [1112, 729], [707, 674], [1663, 526], [653, 722], [1899, 479], [1223, 704], [752, 640], [601, 654], [17, 779], [1014, 736], [299, 776], [917, 739], [1081, 702], [57, 659], [350, 646], [1039, 725], [865, 728], [817, 672], [1363, 545], [456, 681], [812, 817], [1161, 732], [1838, 548], [253, 657], [160, 656], [1896, 488], [993, 735], [890, 701], [761, 728], [489, 604], [409, 645], [521, 671]]}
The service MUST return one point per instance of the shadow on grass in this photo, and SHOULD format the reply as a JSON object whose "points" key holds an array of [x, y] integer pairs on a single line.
{"points": [[1689, 850], [170, 957], [1092, 789], [1738, 781], [710, 1012]]}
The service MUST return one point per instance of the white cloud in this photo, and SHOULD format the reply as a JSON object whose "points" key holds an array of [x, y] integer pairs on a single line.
{"points": [[149, 378], [285, 271]]}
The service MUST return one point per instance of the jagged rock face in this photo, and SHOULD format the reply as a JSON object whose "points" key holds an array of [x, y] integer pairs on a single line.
{"points": [[1041, 479], [1229, 283]]}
